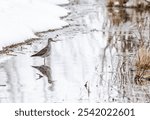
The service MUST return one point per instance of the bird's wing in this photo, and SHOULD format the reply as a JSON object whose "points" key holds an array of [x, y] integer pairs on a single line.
{"points": [[40, 53]]}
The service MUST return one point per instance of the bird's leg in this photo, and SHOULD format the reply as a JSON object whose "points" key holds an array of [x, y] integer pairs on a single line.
{"points": [[44, 60]]}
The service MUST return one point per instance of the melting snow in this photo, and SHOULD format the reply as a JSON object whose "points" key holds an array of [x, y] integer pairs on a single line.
{"points": [[20, 19]]}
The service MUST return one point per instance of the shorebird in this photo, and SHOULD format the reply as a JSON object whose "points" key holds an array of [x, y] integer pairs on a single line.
{"points": [[45, 51]]}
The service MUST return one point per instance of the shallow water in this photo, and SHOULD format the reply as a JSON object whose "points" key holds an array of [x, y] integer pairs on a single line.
{"points": [[92, 62]]}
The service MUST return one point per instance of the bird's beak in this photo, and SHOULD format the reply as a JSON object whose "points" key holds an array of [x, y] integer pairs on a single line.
{"points": [[50, 39], [54, 40]]}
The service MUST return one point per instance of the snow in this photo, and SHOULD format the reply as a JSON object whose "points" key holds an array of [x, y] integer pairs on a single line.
{"points": [[59, 1], [21, 19]]}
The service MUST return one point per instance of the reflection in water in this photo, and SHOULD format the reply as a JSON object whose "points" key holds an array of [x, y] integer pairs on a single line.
{"points": [[131, 33], [118, 16], [46, 71], [95, 62]]}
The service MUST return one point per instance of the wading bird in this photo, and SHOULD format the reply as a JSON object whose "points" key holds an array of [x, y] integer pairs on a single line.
{"points": [[45, 51]]}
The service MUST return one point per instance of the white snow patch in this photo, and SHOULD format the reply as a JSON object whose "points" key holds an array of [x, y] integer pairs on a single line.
{"points": [[58, 1], [20, 19]]}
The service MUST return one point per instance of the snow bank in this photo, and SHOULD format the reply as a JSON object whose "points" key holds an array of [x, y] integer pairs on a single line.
{"points": [[20, 19], [58, 1]]}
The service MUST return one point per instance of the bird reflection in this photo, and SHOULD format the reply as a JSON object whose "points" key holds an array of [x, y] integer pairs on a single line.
{"points": [[46, 71], [86, 85]]}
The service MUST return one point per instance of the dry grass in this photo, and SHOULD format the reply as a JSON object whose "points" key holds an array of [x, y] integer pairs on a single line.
{"points": [[110, 3], [138, 4], [143, 65], [143, 59], [9, 49]]}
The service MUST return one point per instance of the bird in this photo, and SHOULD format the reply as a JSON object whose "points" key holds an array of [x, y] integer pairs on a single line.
{"points": [[45, 51]]}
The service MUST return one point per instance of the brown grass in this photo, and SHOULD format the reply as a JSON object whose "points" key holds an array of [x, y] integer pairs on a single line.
{"points": [[9, 49], [143, 59], [110, 3], [122, 3], [143, 65]]}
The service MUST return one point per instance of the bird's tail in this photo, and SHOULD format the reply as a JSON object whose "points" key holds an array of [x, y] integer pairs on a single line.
{"points": [[35, 67]]}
